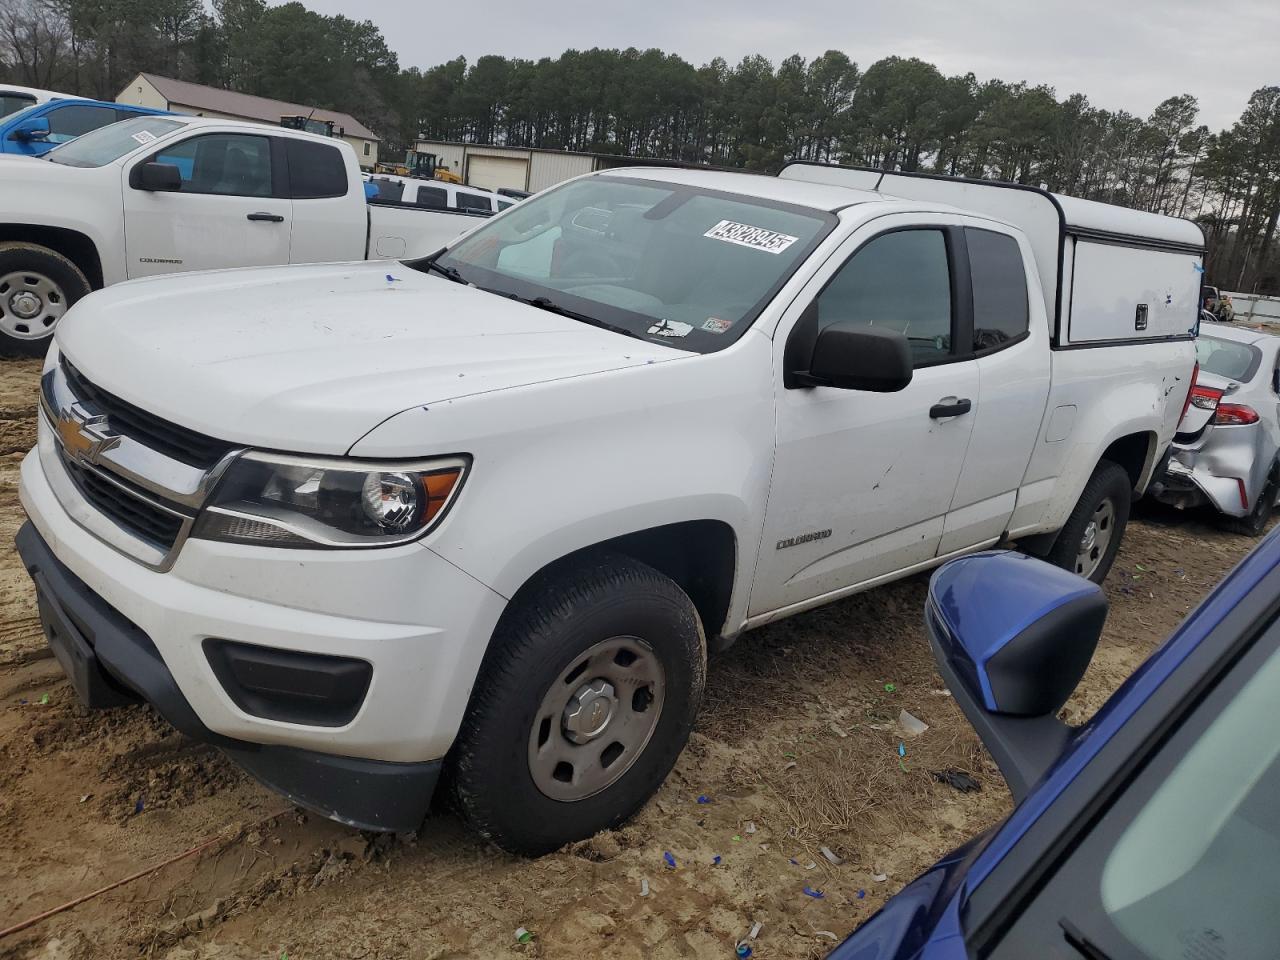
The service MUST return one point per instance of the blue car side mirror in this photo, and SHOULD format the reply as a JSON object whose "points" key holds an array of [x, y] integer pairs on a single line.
{"points": [[1013, 636], [37, 128]]}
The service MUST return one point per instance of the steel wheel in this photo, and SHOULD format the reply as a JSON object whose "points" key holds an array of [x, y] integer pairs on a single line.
{"points": [[1097, 537], [596, 719], [30, 305]]}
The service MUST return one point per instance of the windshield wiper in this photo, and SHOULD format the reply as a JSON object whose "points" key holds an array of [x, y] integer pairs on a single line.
{"points": [[546, 303], [449, 273], [1083, 944]]}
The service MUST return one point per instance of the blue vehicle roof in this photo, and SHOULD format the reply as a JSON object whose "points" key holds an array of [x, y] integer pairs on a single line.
{"points": [[40, 109]]}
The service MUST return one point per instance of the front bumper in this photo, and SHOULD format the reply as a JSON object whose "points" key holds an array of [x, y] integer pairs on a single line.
{"points": [[419, 622], [110, 662]]}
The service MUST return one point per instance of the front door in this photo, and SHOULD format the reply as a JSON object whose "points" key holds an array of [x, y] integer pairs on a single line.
{"points": [[230, 212], [862, 481]]}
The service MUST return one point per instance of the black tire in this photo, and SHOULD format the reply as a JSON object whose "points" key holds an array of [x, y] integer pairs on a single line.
{"points": [[20, 336], [1254, 524], [1111, 482], [552, 623]]}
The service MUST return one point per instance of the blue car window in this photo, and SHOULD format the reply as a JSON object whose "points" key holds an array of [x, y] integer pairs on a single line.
{"points": [[75, 120], [1196, 870], [1185, 863]]}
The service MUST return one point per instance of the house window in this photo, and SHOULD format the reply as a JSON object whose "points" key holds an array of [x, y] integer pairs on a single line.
{"points": [[366, 148]]}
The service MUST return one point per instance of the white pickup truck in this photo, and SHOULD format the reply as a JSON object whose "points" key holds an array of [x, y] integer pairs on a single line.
{"points": [[492, 508], [166, 194]]}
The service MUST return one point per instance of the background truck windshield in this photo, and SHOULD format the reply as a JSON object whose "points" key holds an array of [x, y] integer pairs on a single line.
{"points": [[100, 147], [667, 262], [11, 102]]}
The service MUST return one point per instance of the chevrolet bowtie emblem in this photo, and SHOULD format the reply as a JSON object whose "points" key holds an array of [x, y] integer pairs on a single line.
{"points": [[84, 436]]}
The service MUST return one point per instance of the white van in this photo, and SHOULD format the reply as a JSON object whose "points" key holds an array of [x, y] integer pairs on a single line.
{"points": [[437, 195]]}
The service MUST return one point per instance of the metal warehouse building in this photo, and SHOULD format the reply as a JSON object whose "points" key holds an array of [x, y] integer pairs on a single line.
{"points": [[522, 168]]}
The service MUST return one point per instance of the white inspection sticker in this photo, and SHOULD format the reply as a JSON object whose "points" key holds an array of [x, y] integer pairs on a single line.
{"points": [[142, 136], [670, 328], [745, 235]]}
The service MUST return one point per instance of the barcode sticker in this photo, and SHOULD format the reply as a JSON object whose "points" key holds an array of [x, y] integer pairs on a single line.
{"points": [[745, 235]]}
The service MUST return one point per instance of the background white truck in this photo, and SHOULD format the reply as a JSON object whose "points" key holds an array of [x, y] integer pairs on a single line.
{"points": [[168, 194], [492, 508]]}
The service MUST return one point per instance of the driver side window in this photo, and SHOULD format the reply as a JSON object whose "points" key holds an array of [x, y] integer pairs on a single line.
{"points": [[900, 280], [236, 165]]}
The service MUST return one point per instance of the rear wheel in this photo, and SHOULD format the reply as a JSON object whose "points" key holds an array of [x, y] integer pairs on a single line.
{"points": [[37, 287], [1088, 543], [586, 698], [1255, 522]]}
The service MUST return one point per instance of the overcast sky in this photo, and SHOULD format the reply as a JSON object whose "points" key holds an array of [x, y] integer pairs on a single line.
{"points": [[1122, 54]]}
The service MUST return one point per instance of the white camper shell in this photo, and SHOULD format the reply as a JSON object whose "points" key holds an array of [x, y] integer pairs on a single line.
{"points": [[1109, 275]]}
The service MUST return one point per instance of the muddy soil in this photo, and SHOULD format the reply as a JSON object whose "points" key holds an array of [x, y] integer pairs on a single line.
{"points": [[796, 749]]}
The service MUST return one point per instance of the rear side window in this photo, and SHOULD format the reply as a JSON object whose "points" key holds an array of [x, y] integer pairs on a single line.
{"points": [[901, 281], [434, 197], [228, 164], [1227, 358], [1000, 311], [71, 122], [474, 201], [316, 170], [389, 191]]}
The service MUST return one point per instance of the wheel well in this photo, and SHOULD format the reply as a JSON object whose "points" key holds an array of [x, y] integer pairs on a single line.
{"points": [[1130, 453], [699, 555], [73, 245]]}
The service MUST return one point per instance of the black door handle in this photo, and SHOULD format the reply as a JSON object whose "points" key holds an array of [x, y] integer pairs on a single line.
{"points": [[272, 217], [951, 407]]}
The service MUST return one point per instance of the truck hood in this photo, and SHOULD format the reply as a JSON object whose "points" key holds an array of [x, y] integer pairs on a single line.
{"points": [[19, 169], [310, 358]]}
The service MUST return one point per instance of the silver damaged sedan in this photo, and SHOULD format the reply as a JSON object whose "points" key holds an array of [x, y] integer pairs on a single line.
{"points": [[1225, 452]]}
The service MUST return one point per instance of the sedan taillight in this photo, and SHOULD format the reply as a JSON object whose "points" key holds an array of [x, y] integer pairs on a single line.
{"points": [[1205, 398], [1234, 415]]}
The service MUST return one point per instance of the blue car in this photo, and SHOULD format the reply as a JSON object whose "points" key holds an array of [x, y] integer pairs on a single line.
{"points": [[37, 130], [1150, 833]]}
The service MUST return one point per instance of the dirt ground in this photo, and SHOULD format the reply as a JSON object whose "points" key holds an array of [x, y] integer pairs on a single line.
{"points": [[796, 749]]}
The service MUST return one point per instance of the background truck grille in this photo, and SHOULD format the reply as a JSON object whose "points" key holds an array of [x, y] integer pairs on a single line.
{"points": [[144, 520], [186, 446]]}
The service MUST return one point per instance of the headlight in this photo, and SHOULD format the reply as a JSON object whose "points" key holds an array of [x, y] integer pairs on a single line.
{"points": [[275, 500]]}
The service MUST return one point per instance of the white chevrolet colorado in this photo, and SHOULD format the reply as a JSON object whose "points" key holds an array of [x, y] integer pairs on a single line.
{"points": [[166, 194], [488, 510]]}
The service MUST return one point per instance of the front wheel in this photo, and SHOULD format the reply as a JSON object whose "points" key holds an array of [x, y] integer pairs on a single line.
{"points": [[37, 286], [586, 697], [1088, 543]]}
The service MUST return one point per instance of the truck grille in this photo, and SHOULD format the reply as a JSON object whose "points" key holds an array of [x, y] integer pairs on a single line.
{"points": [[179, 443], [143, 519]]}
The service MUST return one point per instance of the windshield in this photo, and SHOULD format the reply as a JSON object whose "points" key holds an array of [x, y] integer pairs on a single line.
{"points": [[1227, 358], [666, 262], [100, 147], [11, 102]]}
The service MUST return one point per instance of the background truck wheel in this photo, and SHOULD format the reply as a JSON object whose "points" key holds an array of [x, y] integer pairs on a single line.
{"points": [[37, 286], [585, 699], [1087, 545], [1255, 522]]}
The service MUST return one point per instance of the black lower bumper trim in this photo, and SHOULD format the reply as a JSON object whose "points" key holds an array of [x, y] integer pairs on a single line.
{"points": [[111, 661]]}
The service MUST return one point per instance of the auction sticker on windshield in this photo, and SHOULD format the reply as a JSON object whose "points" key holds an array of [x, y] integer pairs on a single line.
{"points": [[745, 235], [144, 137]]}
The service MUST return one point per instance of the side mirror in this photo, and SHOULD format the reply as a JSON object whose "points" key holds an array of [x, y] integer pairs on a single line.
{"points": [[854, 356], [156, 177], [1013, 636], [37, 128]]}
